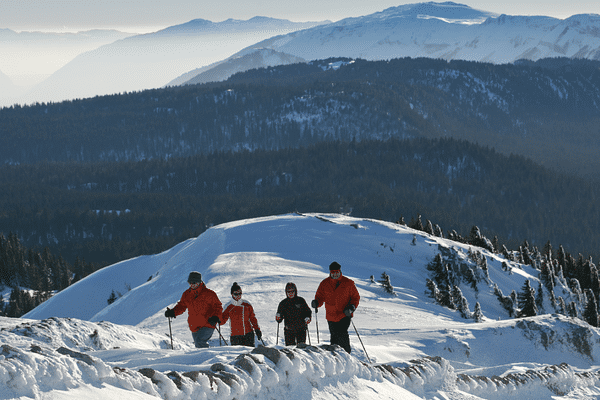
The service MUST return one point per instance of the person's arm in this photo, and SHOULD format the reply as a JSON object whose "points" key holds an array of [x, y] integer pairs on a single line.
{"points": [[181, 305]]}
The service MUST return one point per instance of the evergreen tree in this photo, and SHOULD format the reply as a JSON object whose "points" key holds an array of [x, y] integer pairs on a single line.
{"points": [[590, 313], [477, 313], [432, 290], [526, 301]]}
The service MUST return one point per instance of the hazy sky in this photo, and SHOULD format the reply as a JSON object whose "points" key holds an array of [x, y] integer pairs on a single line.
{"points": [[149, 15]]}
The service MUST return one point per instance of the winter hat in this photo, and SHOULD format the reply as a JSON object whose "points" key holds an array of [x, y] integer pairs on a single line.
{"points": [[235, 287], [291, 285], [195, 277], [334, 266]]}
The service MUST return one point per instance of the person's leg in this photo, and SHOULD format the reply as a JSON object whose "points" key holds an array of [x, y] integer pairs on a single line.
{"points": [[249, 339], [290, 337], [339, 333], [201, 337], [237, 340], [301, 336]]}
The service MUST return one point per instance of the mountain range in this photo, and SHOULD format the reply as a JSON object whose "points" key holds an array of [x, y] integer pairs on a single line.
{"points": [[151, 60], [448, 31]]}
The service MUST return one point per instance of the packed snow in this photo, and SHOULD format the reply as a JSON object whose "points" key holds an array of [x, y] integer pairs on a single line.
{"points": [[404, 346]]}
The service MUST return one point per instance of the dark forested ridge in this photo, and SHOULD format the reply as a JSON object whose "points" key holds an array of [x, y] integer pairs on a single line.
{"points": [[547, 111], [104, 212]]}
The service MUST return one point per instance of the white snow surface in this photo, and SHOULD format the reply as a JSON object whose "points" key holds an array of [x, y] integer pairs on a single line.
{"points": [[76, 346]]}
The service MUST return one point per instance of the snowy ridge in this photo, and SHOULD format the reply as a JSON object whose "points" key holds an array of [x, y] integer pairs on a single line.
{"points": [[409, 346], [264, 372]]}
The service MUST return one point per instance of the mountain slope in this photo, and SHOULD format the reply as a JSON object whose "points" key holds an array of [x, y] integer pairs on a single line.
{"points": [[535, 358]]}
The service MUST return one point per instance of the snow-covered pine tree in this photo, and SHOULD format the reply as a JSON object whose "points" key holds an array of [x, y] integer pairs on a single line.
{"points": [[386, 284], [477, 313], [460, 302], [539, 299], [590, 313], [432, 290], [505, 301], [526, 301]]}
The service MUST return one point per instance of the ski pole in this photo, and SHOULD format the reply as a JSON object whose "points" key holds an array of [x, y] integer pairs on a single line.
{"points": [[363, 346], [221, 336], [277, 340], [170, 333], [317, 322], [308, 334]]}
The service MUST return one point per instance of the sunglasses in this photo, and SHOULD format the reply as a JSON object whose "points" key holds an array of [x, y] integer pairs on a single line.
{"points": [[237, 293]]}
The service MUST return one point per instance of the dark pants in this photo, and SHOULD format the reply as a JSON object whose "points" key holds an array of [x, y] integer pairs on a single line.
{"points": [[293, 337], [339, 333], [243, 340]]}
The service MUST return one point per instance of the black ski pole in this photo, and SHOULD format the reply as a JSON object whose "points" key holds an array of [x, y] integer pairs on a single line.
{"points": [[170, 333], [277, 340], [317, 322], [308, 334], [363, 346], [221, 336]]}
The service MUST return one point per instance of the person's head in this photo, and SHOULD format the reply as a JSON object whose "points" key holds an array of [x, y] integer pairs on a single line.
{"points": [[335, 270], [291, 290], [194, 279], [236, 291]]}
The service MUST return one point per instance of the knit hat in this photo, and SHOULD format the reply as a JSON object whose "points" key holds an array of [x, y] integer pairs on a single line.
{"points": [[334, 266], [291, 285], [235, 287], [195, 277]]}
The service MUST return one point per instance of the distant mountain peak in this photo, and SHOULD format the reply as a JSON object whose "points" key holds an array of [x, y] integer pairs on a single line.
{"points": [[448, 11]]}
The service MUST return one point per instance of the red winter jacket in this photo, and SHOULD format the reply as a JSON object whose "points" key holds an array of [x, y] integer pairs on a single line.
{"points": [[337, 294], [242, 317], [201, 303]]}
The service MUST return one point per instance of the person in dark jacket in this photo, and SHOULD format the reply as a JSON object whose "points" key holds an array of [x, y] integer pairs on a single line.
{"points": [[296, 315], [204, 309], [340, 296], [243, 320]]}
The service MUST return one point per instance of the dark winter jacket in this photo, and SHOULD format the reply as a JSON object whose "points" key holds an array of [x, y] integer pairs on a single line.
{"points": [[201, 303], [337, 294], [294, 312]]}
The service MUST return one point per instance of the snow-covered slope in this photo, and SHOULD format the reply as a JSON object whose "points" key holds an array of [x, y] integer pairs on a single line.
{"points": [[77, 345], [449, 31]]}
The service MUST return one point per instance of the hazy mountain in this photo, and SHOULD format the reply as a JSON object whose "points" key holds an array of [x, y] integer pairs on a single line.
{"points": [[240, 62], [30, 57], [448, 31], [152, 60]]}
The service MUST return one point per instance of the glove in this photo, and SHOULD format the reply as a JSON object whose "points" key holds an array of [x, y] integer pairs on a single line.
{"points": [[314, 303], [307, 320], [258, 334], [214, 320], [169, 313], [349, 310], [278, 318]]}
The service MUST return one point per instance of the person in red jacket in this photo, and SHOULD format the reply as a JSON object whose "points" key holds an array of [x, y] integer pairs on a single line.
{"points": [[341, 299], [242, 319], [204, 309]]}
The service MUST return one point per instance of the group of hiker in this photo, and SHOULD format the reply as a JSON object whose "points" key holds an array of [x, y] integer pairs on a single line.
{"points": [[205, 311]]}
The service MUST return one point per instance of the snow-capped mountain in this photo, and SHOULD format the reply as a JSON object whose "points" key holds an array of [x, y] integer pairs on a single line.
{"points": [[152, 60], [449, 31], [403, 344]]}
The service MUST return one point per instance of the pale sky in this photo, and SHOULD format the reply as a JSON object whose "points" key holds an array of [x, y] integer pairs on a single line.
{"points": [[150, 15]]}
